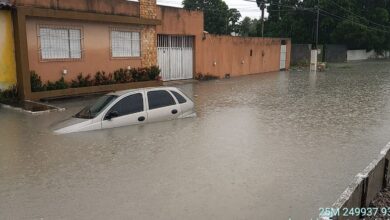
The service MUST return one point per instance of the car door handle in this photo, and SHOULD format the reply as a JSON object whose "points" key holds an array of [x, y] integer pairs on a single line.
{"points": [[142, 118], [174, 111]]}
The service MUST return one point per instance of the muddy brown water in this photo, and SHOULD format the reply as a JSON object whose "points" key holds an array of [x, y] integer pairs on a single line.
{"points": [[268, 146]]}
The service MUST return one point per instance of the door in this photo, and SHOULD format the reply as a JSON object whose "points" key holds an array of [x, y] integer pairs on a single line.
{"points": [[162, 106], [283, 55], [129, 110], [175, 57]]}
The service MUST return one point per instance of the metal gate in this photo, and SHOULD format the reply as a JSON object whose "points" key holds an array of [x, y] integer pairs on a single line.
{"points": [[175, 57], [283, 55]]}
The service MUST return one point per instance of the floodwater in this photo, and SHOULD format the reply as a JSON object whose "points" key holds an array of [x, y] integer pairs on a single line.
{"points": [[268, 146]]}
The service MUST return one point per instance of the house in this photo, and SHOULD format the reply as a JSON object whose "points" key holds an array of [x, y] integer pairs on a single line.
{"points": [[62, 38]]}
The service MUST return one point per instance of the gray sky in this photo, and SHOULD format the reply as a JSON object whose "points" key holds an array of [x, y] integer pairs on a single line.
{"points": [[246, 8]]}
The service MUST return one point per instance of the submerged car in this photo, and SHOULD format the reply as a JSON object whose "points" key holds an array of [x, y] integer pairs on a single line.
{"points": [[130, 107]]}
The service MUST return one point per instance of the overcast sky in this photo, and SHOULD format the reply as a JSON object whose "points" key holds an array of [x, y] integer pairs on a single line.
{"points": [[246, 8]]}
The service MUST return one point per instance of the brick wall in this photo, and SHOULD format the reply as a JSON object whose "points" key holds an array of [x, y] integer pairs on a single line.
{"points": [[148, 9]]}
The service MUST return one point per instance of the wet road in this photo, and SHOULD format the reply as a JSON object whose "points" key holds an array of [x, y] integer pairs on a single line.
{"points": [[269, 146]]}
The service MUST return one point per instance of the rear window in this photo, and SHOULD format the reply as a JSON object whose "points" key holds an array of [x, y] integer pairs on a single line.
{"points": [[159, 99], [179, 97]]}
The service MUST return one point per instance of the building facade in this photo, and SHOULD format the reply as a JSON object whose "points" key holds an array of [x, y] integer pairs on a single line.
{"points": [[7, 52], [57, 39]]}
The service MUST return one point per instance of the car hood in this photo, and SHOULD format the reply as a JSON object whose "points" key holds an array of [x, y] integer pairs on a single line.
{"points": [[70, 125]]}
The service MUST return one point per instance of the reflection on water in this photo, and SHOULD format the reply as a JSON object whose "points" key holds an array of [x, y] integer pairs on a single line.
{"points": [[268, 146]]}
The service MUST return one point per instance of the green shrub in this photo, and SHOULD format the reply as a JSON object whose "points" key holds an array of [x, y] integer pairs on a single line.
{"points": [[143, 74], [81, 81], [122, 76], [100, 78], [154, 72], [9, 95], [36, 82]]}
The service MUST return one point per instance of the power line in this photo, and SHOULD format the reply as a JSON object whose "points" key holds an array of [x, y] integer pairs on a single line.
{"points": [[348, 19], [359, 16]]}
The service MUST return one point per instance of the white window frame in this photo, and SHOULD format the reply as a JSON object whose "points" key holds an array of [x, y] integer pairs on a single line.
{"points": [[117, 52], [66, 53]]}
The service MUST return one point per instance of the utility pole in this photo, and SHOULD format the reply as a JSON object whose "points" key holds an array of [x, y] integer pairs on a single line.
{"points": [[314, 51], [261, 5], [318, 22]]}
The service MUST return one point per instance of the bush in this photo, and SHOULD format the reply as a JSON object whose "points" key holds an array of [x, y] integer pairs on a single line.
{"points": [[81, 81], [9, 95], [36, 82], [100, 78], [154, 72], [59, 84], [122, 76]]}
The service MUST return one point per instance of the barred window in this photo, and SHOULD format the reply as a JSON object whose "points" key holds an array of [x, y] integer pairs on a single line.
{"points": [[125, 44], [60, 43]]}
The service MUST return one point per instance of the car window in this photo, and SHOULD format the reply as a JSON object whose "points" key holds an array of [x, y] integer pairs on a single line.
{"points": [[129, 105], [93, 110], [179, 97], [159, 99]]}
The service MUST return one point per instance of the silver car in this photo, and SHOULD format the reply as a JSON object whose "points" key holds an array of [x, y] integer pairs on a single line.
{"points": [[130, 107]]}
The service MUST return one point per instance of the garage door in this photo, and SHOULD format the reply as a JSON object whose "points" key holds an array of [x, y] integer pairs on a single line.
{"points": [[175, 57]]}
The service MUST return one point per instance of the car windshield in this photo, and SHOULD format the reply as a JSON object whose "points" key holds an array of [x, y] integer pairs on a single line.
{"points": [[93, 110]]}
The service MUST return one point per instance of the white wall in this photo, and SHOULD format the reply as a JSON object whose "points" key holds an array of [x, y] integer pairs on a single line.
{"points": [[355, 55]]}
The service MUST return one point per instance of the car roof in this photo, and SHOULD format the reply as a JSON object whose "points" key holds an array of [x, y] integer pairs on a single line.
{"points": [[123, 92]]}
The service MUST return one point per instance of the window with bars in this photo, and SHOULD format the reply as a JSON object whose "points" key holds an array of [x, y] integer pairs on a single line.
{"points": [[60, 43], [125, 44]]}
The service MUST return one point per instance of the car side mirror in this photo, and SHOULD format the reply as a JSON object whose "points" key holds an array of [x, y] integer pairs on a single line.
{"points": [[112, 115]]}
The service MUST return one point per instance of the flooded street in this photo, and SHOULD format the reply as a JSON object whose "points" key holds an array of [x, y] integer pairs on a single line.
{"points": [[268, 146]]}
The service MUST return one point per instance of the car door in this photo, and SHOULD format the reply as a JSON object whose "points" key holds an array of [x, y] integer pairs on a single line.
{"points": [[161, 106], [129, 110]]}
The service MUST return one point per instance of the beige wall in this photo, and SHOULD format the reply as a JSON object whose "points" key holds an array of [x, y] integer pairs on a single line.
{"points": [[95, 45]]}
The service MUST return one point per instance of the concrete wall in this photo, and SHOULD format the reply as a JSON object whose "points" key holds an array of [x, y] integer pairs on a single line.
{"points": [[7, 51], [118, 7], [300, 54], [335, 53], [239, 56], [355, 55], [177, 21], [219, 55], [365, 186]]}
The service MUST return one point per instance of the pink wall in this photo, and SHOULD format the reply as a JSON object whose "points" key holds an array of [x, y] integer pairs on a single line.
{"points": [[226, 54], [227, 51], [95, 45]]}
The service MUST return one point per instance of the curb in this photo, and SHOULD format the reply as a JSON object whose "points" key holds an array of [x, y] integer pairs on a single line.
{"points": [[20, 109], [363, 188]]}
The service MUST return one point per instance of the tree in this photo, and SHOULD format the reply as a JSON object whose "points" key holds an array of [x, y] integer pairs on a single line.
{"points": [[216, 14], [245, 26], [360, 24], [233, 16]]}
